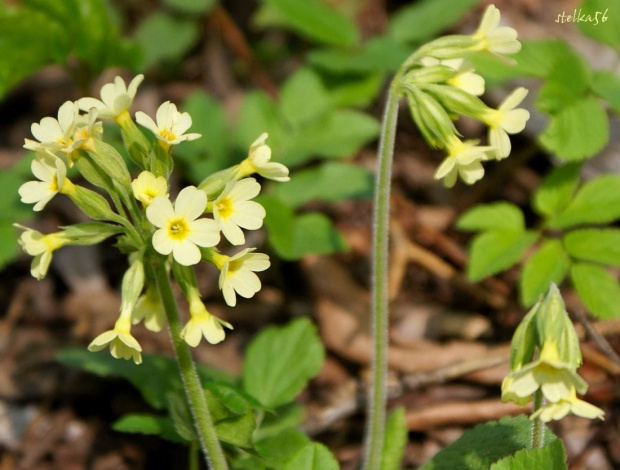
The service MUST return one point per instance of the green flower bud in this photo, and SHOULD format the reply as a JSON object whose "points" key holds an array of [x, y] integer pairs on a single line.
{"points": [[449, 47], [110, 161], [214, 184], [133, 283], [430, 117], [135, 141], [160, 161], [93, 204], [430, 74], [90, 233], [457, 101]]}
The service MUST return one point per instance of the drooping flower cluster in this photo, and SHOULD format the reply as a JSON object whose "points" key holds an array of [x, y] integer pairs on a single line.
{"points": [[149, 226], [440, 86], [548, 331]]}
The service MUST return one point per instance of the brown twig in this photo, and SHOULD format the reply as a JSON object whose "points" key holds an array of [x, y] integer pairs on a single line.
{"points": [[598, 338]]}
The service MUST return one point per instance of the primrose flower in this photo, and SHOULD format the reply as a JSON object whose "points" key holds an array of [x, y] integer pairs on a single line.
{"points": [[463, 160], [41, 247], [237, 274], [233, 209], [494, 38], [56, 134], [465, 79], [258, 162], [179, 231], [171, 124], [147, 186], [506, 120], [116, 98], [87, 128], [556, 379], [202, 323], [150, 309], [122, 344], [52, 173], [572, 404]]}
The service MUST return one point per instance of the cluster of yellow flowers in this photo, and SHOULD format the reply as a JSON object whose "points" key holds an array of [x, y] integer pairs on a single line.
{"points": [[440, 85], [145, 218]]}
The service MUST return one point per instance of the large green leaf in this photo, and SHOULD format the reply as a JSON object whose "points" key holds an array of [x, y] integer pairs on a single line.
{"points": [[606, 84], [551, 456], [598, 289], [557, 189], [600, 19], [396, 432], [596, 245], [314, 456], [281, 360], [549, 264], [480, 447], [315, 20], [496, 216], [492, 252], [597, 202], [425, 19], [303, 98], [578, 131], [331, 181], [567, 81]]}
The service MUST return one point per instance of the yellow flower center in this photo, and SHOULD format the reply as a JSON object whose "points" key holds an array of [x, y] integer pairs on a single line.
{"points": [[167, 135], [178, 229], [225, 207], [54, 184]]}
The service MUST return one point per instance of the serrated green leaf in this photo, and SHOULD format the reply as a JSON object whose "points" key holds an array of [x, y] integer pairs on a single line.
{"points": [[606, 84], [496, 216], [281, 360], [557, 189], [304, 98], [597, 202], [191, 6], [578, 131], [331, 181], [396, 433], [600, 19], [567, 81], [479, 447], [492, 252], [314, 456], [596, 245], [143, 423], [549, 264], [280, 448], [315, 20], [425, 19], [165, 38], [551, 456], [598, 289]]}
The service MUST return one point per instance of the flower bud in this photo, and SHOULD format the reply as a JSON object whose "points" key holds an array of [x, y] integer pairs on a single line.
{"points": [[456, 100], [430, 117]]}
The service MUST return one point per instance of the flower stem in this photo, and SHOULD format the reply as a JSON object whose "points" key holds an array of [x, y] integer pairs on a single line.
{"points": [[375, 428], [203, 422], [538, 427], [194, 450]]}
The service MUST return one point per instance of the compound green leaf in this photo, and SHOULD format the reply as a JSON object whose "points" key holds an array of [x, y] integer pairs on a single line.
{"points": [[557, 189], [595, 245], [500, 216], [549, 264], [598, 289]]}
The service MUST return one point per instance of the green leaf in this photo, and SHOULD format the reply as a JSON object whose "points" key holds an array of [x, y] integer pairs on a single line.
{"points": [[596, 245], [260, 114], [143, 423], [281, 360], [557, 189], [396, 433], [578, 131], [549, 264], [303, 98], [332, 181], [480, 447], [356, 91], [597, 202], [492, 252], [314, 456], [601, 20], [181, 416], [552, 456], [426, 19], [280, 448], [598, 289], [191, 6], [606, 84], [315, 20], [232, 428], [165, 38], [567, 81], [285, 417], [495, 216]]}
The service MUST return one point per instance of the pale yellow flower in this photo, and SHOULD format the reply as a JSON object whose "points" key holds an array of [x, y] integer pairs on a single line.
{"points": [[171, 124], [571, 404], [52, 174], [494, 38], [258, 161], [120, 341], [41, 247], [150, 309], [147, 186], [464, 160], [465, 79], [203, 324], [56, 134], [237, 274], [179, 232], [233, 209], [506, 120], [116, 98]]}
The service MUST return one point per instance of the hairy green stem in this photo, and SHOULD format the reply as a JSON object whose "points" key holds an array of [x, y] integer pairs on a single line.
{"points": [[538, 427], [194, 452], [203, 422], [375, 429]]}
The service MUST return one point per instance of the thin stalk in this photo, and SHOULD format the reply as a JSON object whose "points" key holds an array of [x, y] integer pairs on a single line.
{"points": [[375, 428], [203, 422], [538, 427]]}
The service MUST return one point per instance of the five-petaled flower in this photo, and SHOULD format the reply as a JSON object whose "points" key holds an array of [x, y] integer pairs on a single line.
{"points": [[233, 209], [464, 160], [122, 344], [258, 161], [179, 232], [116, 98], [147, 186], [506, 120], [237, 274], [571, 404], [494, 38], [41, 247], [171, 124], [52, 173], [56, 134], [203, 324]]}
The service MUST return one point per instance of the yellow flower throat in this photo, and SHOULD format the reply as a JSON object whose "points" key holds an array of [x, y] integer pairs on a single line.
{"points": [[178, 229]]}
